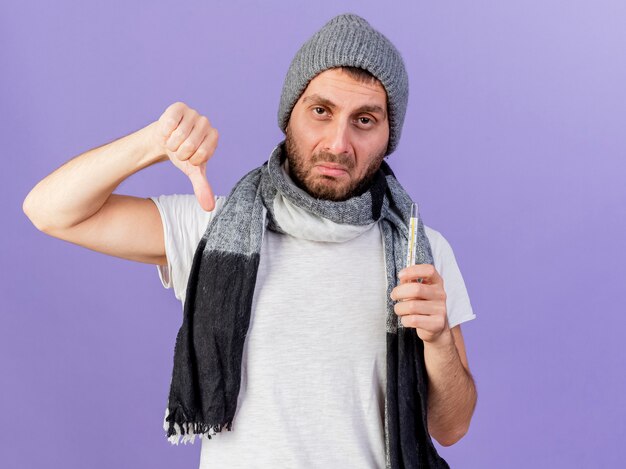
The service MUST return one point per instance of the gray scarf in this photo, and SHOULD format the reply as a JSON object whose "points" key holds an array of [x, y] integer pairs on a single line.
{"points": [[209, 345]]}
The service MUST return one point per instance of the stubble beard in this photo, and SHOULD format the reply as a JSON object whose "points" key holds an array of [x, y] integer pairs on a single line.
{"points": [[322, 186]]}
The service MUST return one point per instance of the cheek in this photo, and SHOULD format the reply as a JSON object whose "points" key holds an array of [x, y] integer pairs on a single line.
{"points": [[371, 146], [373, 140], [305, 137]]}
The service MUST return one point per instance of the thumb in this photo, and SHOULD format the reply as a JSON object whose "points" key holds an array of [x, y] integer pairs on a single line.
{"points": [[201, 187]]}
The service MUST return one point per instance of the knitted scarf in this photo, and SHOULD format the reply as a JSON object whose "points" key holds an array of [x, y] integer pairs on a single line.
{"points": [[216, 314]]}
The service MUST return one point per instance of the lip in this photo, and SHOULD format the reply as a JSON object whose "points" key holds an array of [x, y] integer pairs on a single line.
{"points": [[329, 169]]}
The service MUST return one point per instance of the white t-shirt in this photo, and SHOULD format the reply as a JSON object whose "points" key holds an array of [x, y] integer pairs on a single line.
{"points": [[314, 360]]}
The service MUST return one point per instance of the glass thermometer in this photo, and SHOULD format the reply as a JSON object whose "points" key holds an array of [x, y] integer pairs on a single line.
{"points": [[412, 244]]}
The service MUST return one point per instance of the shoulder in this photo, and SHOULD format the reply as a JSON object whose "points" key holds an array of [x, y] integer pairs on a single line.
{"points": [[438, 243], [184, 222], [443, 255], [458, 302]]}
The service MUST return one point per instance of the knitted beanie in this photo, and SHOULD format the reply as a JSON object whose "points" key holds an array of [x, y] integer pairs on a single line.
{"points": [[349, 40]]}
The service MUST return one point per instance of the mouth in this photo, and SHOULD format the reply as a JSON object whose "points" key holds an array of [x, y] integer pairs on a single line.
{"points": [[331, 169]]}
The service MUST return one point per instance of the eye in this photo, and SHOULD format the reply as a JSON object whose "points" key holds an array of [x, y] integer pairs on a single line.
{"points": [[319, 110], [365, 122]]}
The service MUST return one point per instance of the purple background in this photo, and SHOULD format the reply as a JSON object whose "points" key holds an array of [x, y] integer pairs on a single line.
{"points": [[513, 145]]}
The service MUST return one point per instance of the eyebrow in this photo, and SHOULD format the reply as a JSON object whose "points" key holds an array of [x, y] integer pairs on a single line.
{"points": [[372, 108]]}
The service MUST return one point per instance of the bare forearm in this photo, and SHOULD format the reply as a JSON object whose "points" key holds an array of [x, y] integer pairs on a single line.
{"points": [[80, 187], [451, 391]]}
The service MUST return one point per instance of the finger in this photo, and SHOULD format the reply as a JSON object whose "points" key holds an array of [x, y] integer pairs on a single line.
{"points": [[170, 119], [181, 132], [420, 307], [206, 149], [430, 324], [190, 145], [426, 272], [201, 187], [418, 291]]}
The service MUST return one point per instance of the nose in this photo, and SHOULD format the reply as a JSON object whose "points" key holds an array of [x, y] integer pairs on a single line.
{"points": [[338, 137]]}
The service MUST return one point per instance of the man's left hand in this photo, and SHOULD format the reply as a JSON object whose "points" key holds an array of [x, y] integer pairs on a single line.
{"points": [[421, 305]]}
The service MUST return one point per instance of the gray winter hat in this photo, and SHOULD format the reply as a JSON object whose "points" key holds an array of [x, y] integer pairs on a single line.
{"points": [[349, 40]]}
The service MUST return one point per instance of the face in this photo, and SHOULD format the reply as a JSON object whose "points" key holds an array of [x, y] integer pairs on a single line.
{"points": [[337, 135]]}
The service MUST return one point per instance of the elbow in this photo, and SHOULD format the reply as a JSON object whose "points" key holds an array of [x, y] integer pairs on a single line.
{"points": [[452, 436], [26, 205], [29, 212], [35, 216]]}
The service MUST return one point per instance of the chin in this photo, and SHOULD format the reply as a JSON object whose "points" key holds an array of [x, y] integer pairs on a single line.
{"points": [[325, 190]]}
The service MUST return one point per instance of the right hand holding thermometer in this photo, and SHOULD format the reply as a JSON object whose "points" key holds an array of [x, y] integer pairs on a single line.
{"points": [[420, 296]]}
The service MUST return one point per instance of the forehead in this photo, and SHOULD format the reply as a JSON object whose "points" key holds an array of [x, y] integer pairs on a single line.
{"points": [[342, 89]]}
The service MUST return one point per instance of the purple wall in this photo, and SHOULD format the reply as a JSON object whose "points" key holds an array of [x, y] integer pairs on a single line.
{"points": [[516, 123]]}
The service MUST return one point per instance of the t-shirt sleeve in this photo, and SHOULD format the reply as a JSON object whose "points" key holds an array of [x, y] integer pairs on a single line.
{"points": [[184, 223], [457, 299]]}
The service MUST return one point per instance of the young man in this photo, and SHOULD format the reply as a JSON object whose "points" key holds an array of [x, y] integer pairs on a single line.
{"points": [[297, 335]]}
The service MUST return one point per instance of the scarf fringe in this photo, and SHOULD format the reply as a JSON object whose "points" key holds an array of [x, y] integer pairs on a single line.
{"points": [[186, 432]]}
